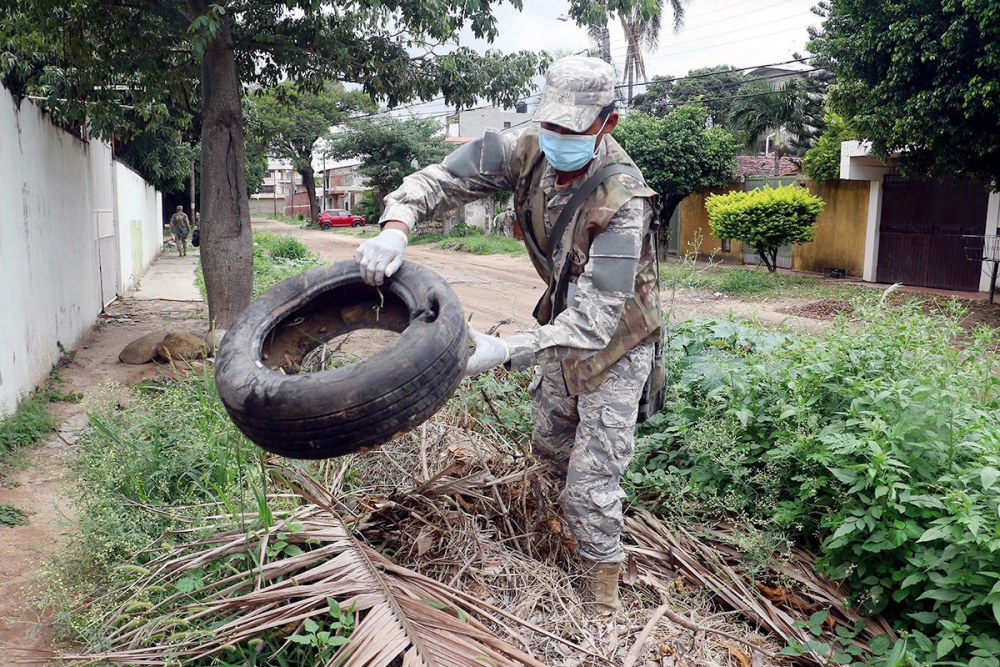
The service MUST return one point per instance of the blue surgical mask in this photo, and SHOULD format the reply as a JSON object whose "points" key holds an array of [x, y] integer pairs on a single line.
{"points": [[568, 152]]}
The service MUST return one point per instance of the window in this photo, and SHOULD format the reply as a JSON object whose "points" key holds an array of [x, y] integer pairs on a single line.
{"points": [[727, 245], [506, 124]]}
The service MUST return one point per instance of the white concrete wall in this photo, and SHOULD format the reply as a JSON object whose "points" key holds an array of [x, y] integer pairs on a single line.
{"points": [[62, 253], [140, 229], [49, 275]]}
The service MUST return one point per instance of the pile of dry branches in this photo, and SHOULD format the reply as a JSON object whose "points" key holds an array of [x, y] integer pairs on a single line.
{"points": [[452, 550]]}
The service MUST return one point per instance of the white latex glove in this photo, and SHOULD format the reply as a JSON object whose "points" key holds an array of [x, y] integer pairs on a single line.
{"points": [[380, 257], [490, 351]]}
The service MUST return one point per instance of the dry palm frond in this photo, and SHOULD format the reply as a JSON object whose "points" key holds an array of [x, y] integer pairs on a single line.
{"points": [[401, 614], [711, 562]]}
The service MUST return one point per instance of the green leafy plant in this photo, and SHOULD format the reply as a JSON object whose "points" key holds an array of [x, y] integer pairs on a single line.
{"points": [[12, 516], [766, 219], [876, 445]]}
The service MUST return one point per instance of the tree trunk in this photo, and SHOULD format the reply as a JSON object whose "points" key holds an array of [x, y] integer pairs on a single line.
{"points": [[309, 180], [227, 244]]}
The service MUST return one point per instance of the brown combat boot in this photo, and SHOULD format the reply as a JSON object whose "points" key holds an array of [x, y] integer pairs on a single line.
{"points": [[601, 582]]}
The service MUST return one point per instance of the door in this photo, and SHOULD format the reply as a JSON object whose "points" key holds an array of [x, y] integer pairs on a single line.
{"points": [[931, 232]]}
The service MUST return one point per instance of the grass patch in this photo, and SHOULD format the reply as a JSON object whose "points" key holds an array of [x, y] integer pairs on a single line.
{"points": [[12, 516], [275, 258], [753, 282], [464, 238], [31, 422]]}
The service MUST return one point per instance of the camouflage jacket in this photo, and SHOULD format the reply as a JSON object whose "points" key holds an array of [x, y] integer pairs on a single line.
{"points": [[179, 224], [612, 299]]}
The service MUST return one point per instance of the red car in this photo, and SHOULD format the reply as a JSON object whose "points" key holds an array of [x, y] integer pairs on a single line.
{"points": [[339, 218]]}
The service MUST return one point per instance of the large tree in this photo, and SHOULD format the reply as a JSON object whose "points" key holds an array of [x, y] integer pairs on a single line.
{"points": [[711, 87], [92, 60], [390, 149], [920, 77], [678, 155], [291, 122]]}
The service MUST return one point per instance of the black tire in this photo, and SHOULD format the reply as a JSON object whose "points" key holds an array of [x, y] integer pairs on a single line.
{"points": [[356, 407], [325, 225], [357, 223]]}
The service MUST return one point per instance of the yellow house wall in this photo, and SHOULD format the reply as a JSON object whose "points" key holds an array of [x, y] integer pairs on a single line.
{"points": [[840, 230], [694, 223]]}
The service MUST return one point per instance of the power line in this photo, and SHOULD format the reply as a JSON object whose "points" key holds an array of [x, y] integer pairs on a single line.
{"points": [[621, 51]]}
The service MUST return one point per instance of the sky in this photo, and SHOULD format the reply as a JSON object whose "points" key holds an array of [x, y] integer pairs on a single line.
{"points": [[741, 33]]}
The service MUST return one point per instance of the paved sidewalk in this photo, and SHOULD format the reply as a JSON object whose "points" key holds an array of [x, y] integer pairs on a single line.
{"points": [[170, 278]]}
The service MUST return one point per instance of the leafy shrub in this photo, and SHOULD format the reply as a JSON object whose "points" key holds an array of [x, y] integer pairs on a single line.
{"points": [[766, 219], [367, 208], [877, 444], [286, 247], [822, 161]]}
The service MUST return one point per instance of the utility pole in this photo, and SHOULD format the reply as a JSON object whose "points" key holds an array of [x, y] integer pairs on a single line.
{"points": [[194, 216]]}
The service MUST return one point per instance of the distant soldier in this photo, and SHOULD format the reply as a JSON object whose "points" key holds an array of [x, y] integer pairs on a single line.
{"points": [[180, 226], [599, 319]]}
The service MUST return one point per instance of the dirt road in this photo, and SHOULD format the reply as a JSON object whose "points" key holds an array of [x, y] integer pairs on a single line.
{"points": [[497, 287]]}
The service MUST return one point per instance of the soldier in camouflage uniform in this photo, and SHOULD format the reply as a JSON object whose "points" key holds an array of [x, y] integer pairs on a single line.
{"points": [[600, 314], [180, 227]]}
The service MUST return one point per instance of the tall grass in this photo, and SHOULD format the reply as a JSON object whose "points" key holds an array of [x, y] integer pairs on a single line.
{"points": [[465, 238], [162, 471]]}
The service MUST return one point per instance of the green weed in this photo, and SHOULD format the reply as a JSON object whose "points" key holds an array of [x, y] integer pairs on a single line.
{"points": [[12, 516], [160, 472], [465, 238], [877, 445], [276, 257], [31, 422]]}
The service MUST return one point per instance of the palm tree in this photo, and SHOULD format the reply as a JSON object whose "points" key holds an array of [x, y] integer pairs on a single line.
{"points": [[641, 33], [763, 106]]}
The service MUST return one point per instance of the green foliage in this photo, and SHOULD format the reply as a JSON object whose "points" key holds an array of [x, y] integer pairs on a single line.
{"points": [[367, 208], [676, 154], [28, 425], [877, 444], [12, 516], [822, 161], [922, 78], [710, 87], [466, 238], [275, 258], [766, 218], [495, 402], [764, 105], [390, 149], [160, 471]]}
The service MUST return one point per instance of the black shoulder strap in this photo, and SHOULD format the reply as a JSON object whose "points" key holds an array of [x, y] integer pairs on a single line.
{"points": [[585, 190]]}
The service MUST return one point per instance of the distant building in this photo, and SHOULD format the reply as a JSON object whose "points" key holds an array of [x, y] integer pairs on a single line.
{"points": [[280, 181], [474, 122], [343, 186]]}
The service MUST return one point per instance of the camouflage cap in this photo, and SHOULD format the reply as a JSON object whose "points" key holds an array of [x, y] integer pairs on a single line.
{"points": [[576, 89]]}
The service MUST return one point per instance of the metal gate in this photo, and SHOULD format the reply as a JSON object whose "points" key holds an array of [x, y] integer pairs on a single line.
{"points": [[784, 259], [924, 228]]}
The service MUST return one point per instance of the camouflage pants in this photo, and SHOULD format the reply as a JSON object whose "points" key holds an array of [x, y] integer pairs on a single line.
{"points": [[591, 438]]}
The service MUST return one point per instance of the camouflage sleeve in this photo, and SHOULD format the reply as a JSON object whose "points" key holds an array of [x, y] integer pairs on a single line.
{"points": [[476, 170], [607, 283]]}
